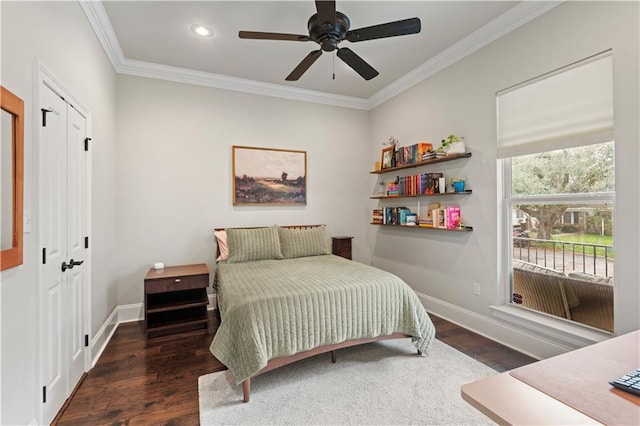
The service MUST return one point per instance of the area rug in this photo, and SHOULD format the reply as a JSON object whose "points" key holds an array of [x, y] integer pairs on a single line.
{"points": [[378, 383]]}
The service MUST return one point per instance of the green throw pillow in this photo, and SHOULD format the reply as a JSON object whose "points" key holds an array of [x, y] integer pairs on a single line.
{"points": [[304, 242], [250, 244]]}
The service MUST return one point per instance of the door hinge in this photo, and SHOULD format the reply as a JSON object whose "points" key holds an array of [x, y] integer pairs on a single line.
{"points": [[86, 242], [44, 116], [44, 255], [86, 340], [44, 394], [86, 144]]}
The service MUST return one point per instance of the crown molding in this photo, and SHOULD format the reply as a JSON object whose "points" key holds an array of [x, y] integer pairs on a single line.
{"points": [[206, 79], [99, 21], [515, 17]]}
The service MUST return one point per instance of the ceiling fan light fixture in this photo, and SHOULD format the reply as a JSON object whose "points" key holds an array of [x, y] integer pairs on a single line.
{"points": [[201, 30]]}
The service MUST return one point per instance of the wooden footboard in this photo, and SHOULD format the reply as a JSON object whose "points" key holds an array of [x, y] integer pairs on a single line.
{"points": [[282, 361]]}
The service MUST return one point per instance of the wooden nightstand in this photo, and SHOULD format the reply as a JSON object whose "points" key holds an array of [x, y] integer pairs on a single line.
{"points": [[175, 299], [342, 246]]}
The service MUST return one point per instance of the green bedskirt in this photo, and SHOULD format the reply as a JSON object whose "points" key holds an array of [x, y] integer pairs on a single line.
{"points": [[274, 308]]}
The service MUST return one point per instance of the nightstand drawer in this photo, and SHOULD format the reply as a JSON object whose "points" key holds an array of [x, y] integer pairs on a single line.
{"points": [[342, 246], [162, 285]]}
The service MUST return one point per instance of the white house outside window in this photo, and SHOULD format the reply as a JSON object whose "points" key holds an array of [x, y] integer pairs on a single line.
{"points": [[555, 141]]}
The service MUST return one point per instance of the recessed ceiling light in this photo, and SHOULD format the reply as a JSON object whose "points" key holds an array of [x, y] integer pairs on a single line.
{"points": [[202, 30]]}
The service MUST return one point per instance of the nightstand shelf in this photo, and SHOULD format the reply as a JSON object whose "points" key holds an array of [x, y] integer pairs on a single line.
{"points": [[175, 299]]}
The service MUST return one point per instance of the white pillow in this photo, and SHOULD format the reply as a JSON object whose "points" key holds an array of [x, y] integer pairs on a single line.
{"points": [[221, 237]]}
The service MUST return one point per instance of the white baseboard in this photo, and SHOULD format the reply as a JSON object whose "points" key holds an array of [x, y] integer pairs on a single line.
{"points": [[535, 346], [122, 314], [103, 336], [130, 313]]}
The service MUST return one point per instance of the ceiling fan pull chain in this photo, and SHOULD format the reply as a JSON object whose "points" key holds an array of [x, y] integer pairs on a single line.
{"points": [[334, 65]]}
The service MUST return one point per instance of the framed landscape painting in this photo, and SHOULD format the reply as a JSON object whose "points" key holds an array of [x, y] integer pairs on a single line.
{"points": [[266, 176]]}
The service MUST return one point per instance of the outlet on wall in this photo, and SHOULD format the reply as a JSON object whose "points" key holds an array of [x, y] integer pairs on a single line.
{"points": [[476, 289]]}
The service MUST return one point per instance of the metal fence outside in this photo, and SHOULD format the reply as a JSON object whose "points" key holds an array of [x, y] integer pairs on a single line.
{"points": [[564, 256]]}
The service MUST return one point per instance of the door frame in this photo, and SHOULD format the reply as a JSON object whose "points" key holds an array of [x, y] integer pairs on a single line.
{"points": [[43, 75]]}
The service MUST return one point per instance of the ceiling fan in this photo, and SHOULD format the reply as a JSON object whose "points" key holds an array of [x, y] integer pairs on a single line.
{"points": [[328, 28]]}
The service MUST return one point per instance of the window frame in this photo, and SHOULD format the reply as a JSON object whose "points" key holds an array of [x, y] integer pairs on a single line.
{"points": [[511, 312]]}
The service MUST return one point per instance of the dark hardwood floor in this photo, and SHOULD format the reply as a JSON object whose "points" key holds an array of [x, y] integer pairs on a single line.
{"points": [[155, 381]]}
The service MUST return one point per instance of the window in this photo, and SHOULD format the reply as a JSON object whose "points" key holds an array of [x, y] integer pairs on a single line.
{"points": [[555, 137]]}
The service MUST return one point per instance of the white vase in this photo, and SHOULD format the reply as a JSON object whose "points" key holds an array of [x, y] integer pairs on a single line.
{"points": [[455, 148]]}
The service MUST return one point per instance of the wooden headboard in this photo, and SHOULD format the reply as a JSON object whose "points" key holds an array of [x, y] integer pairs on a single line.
{"points": [[255, 227], [281, 226]]}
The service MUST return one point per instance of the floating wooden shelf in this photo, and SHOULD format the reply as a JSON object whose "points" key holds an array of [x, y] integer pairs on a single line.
{"points": [[386, 197], [465, 229], [422, 163]]}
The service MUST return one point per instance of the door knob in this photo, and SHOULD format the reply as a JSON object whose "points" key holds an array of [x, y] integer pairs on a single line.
{"points": [[71, 264]]}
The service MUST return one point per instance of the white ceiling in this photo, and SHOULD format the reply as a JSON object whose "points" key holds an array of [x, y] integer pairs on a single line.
{"points": [[153, 38]]}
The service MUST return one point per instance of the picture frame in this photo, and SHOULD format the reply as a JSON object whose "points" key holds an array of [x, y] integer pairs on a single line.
{"points": [[387, 155], [268, 176]]}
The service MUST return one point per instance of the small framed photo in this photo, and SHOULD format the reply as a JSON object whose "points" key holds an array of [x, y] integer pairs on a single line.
{"points": [[387, 155]]}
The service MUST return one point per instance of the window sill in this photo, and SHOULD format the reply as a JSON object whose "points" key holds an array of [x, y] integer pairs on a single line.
{"points": [[565, 332]]}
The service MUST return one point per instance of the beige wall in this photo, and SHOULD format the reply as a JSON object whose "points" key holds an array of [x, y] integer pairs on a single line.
{"points": [[58, 34], [461, 100], [174, 170]]}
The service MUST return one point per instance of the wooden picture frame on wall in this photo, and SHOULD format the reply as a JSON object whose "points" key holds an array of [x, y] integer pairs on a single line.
{"points": [[387, 155], [12, 171], [269, 176]]}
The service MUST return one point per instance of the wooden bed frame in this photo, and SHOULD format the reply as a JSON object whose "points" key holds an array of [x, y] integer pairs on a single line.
{"points": [[274, 363]]}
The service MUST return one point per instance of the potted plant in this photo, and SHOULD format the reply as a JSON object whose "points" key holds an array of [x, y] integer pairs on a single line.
{"points": [[452, 145]]}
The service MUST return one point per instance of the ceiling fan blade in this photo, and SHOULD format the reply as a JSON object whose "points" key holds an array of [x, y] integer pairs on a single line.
{"points": [[390, 29], [326, 11], [357, 63], [304, 65], [257, 35]]}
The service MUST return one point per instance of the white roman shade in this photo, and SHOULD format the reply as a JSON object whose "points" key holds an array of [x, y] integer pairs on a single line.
{"points": [[570, 107]]}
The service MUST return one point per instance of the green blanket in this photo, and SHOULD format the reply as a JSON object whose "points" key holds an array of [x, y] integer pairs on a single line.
{"points": [[274, 308]]}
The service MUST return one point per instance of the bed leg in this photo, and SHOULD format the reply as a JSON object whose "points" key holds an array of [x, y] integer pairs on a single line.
{"points": [[333, 357], [419, 352], [246, 389]]}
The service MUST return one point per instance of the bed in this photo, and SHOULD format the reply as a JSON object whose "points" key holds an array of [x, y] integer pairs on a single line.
{"points": [[282, 296]]}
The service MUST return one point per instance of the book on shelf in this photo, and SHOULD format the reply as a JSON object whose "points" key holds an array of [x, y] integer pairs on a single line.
{"points": [[413, 154], [433, 183], [452, 218], [421, 184], [377, 216], [395, 215], [446, 217]]}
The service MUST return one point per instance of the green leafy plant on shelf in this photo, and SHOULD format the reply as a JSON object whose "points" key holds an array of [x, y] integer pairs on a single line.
{"points": [[450, 140]]}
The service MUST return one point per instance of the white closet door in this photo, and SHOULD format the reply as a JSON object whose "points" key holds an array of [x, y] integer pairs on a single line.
{"points": [[63, 227], [53, 210], [76, 278]]}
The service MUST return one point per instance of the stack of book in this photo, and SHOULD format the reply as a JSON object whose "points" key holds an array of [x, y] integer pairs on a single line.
{"points": [[393, 190], [428, 155], [378, 216]]}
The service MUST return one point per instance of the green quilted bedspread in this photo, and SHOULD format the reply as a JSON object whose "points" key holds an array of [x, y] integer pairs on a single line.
{"points": [[274, 308]]}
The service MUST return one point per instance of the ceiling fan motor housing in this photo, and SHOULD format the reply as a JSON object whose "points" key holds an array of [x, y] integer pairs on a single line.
{"points": [[326, 34]]}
